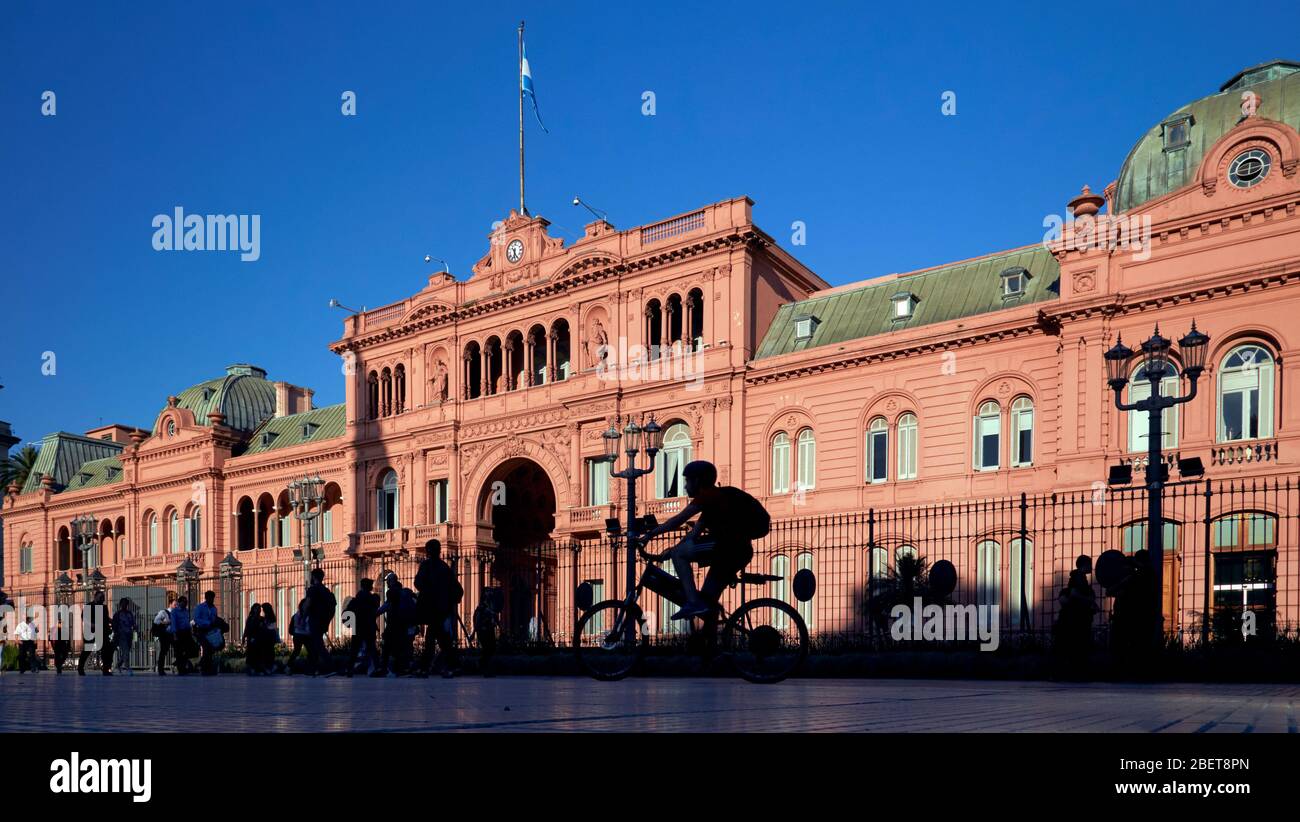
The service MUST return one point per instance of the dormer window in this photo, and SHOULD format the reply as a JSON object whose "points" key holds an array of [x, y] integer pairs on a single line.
{"points": [[207, 393], [904, 305], [267, 438], [1014, 282], [1178, 132], [308, 429], [804, 326]]}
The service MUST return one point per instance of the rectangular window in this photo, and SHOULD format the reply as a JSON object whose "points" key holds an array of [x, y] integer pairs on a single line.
{"points": [[781, 465], [598, 482], [439, 489], [987, 442], [907, 451], [25, 559], [327, 521], [1139, 421], [1022, 429], [284, 532], [877, 456], [597, 624]]}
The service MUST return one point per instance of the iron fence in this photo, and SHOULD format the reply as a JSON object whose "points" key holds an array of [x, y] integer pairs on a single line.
{"points": [[1231, 556]]}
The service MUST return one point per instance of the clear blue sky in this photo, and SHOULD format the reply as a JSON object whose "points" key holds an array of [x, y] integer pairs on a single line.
{"points": [[829, 114]]}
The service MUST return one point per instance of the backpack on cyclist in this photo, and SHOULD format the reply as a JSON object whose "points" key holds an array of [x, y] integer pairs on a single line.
{"points": [[753, 520]]}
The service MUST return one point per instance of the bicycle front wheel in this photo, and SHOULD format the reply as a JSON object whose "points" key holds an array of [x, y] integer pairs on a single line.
{"points": [[603, 646], [766, 639]]}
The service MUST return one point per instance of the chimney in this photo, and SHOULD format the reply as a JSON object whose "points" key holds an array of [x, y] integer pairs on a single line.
{"points": [[291, 399]]}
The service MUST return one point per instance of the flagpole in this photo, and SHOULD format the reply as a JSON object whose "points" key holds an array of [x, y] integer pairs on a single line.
{"points": [[519, 81]]}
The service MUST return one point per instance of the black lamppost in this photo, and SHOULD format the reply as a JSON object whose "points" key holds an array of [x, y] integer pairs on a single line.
{"points": [[231, 572], [306, 499], [649, 438], [85, 529], [1154, 356]]}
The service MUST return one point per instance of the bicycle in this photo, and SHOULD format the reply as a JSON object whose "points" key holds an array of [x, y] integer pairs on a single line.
{"points": [[765, 639]]}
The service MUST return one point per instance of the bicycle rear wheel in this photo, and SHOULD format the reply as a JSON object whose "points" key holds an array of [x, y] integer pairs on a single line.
{"points": [[766, 639], [602, 645]]}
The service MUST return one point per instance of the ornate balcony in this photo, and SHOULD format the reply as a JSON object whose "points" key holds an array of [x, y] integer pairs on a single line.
{"points": [[1244, 453]]}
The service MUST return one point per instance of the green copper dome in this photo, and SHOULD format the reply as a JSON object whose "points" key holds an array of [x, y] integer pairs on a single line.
{"points": [[1167, 156], [243, 395]]}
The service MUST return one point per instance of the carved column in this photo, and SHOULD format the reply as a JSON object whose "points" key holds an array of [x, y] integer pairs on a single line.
{"points": [[508, 365], [467, 373], [486, 374], [552, 337], [529, 342]]}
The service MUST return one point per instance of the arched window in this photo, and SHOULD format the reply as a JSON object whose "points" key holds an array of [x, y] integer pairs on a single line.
{"points": [[654, 329], [385, 392], [173, 532], [903, 552], [1133, 536], [372, 395], [154, 549], [879, 563], [1139, 388], [988, 437], [1246, 394], [119, 529], [695, 318], [1022, 432], [907, 445], [387, 502], [804, 562], [473, 371], [780, 463], [676, 452], [806, 477], [560, 341], [1015, 548], [877, 450], [245, 525], [988, 581], [778, 588]]}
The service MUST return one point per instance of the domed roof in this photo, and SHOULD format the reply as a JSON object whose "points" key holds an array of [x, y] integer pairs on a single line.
{"points": [[1167, 156], [243, 395]]}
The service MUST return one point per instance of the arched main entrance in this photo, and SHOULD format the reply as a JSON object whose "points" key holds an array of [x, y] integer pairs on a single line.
{"points": [[517, 507]]}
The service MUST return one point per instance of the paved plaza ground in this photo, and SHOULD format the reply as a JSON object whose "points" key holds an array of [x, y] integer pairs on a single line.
{"points": [[236, 703]]}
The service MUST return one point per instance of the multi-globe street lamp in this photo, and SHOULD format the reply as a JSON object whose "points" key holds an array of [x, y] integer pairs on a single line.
{"points": [[635, 439], [305, 498], [1155, 356]]}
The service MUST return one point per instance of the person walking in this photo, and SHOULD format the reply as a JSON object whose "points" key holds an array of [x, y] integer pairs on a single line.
{"points": [[182, 633], [364, 608], [253, 639], [161, 631], [208, 630], [486, 620], [321, 606], [60, 638], [124, 629], [270, 638], [25, 633], [399, 611], [300, 633], [97, 629], [439, 594]]}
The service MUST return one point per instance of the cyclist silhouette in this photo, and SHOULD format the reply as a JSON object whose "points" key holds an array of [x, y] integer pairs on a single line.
{"points": [[717, 539]]}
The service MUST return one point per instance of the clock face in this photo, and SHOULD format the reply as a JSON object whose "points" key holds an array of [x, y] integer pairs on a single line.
{"points": [[515, 251]]}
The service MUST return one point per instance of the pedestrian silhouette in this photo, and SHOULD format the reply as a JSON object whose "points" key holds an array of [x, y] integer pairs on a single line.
{"points": [[253, 639], [487, 619], [321, 606], [1072, 633], [400, 614], [439, 594], [364, 608], [97, 630]]}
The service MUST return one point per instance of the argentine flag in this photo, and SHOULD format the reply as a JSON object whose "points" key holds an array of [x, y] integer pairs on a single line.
{"points": [[526, 86]]}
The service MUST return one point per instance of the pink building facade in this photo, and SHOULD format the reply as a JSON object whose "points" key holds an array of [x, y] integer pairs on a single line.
{"points": [[474, 409]]}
